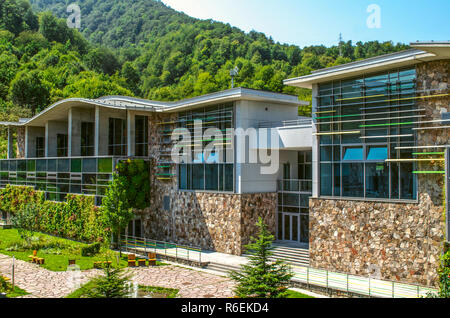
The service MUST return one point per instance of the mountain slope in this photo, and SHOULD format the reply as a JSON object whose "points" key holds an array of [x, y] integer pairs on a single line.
{"points": [[167, 55]]}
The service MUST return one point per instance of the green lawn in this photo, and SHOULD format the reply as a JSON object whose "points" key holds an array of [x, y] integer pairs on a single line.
{"points": [[16, 293], [295, 294], [55, 251], [156, 292]]}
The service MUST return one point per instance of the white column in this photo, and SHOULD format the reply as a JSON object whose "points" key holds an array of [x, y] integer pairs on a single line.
{"points": [[69, 134], [26, 142], [97, 131], [46, 139], [315, 148], [129, 150], [10, 143]]}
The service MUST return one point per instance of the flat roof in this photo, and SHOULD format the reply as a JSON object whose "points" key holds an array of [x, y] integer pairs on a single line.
{"points": [[420, 52], [60, 109]]}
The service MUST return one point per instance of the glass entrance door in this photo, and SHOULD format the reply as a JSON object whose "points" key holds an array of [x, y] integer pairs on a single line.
{"points": [[291, 229]]}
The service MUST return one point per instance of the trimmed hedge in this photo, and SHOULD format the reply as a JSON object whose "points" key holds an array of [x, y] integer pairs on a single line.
{"points": [[78, 218]]}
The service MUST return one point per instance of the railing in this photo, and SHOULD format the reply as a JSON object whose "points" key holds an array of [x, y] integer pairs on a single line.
{"points": [[366, 286], [144, 245], [286, 123], [294, 185]]}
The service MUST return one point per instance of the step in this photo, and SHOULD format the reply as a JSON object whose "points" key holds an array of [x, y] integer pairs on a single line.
{"points": [[224, 268]]}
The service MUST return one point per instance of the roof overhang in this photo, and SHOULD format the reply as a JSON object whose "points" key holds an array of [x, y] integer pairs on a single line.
{"points": [[60, 109], [421, 52]]}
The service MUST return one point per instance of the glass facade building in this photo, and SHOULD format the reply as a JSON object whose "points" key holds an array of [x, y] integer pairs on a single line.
{"points": [[362, 123]]}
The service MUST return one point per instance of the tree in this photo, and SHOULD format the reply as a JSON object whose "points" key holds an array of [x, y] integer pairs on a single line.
{"points": [[114, 284], [261, 277], [29, 90], [26, 221], [117, 210]]}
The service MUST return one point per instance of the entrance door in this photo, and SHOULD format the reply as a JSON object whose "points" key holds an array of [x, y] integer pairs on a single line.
{"points": [[288, 227]]}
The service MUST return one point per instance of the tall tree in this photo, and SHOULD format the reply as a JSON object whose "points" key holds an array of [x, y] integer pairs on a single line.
{"points": [[261, 277]]}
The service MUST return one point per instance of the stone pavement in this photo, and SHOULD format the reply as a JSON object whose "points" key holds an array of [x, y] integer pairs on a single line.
{"points": [[42, 283]]}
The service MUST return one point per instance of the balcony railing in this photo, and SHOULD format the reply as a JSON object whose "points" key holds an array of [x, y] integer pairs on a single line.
{"points": [[295, 186], [306, 123]]}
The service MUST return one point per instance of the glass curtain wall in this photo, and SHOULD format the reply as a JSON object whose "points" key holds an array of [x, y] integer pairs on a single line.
{"points": [[361, 123], [215, 173]]}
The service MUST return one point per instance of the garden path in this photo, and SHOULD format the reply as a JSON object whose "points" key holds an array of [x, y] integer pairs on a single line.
{"points": [[42, 283]]}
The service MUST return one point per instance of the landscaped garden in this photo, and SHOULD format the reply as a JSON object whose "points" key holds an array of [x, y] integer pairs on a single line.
{"points": [[56, 251], [7, 288]]}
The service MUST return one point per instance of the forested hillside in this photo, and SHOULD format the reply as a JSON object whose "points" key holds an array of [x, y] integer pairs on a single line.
{"points": [[167, 55], [141, 48]]}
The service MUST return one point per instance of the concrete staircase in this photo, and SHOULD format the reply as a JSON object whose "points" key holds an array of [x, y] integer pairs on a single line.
{"points": [[291, 253], [296, 255]]}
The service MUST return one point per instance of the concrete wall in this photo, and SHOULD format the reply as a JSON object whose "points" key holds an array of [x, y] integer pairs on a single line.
{"points": [[53, 128], [76, 117], [32, 134], [249, 178], [103, 121]]}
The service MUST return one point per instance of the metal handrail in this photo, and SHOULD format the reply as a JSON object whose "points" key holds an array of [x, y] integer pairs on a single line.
{"points": [[181, 250], [285, 123], [302, 185]]}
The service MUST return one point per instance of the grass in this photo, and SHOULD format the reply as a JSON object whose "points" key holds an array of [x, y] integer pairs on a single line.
{"points": [[159, 292], [6, 287], [156, 292], [56, 251], [294, 294], [82, 291]]}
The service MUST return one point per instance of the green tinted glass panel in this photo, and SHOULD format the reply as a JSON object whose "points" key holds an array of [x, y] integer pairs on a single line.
{"points": [[105, 165], [31, 165], [75, 165]]}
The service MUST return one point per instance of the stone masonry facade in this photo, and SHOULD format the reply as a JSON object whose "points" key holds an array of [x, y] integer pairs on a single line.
{"points": [[392, 241], [223, 222]]}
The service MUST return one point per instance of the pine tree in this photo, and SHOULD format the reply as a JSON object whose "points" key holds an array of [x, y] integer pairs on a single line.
{"points": [[261, 277], [114, 284]]}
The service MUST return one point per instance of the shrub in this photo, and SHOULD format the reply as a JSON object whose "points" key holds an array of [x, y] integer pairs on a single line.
{"points": [[78, 218], [91, 250]]}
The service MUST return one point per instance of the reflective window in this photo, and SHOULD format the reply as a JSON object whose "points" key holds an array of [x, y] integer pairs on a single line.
{"points": [[353, 154]]}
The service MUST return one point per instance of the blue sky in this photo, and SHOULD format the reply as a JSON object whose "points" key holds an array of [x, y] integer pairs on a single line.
{"points": [[315, 22]]}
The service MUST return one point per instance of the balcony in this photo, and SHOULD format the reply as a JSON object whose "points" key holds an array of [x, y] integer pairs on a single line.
{"points": [[58, 177]]}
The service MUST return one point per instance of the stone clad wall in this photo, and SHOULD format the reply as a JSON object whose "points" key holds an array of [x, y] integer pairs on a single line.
{"points": [[222, 222], [399, 242]]}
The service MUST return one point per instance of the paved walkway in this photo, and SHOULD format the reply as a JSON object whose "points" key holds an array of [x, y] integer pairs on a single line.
{"points": [[42, 283]]}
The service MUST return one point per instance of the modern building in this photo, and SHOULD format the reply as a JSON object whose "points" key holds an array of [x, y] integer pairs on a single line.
{"points": [[361, 185]]}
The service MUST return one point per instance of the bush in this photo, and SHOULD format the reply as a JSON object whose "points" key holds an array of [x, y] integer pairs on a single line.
{"points": [[91, 250], [78, 218]]}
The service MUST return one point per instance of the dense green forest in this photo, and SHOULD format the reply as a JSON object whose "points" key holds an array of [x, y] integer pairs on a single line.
{"points": [[142, 48]]}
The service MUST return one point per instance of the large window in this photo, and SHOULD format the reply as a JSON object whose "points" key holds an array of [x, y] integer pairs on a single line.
{"points": [[215, 173], [61, 145], [87, 139], [40, 147], [141, 136], [206, 177], [365, 126], [117, 137]]}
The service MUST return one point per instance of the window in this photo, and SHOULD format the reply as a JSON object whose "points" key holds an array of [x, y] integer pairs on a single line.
{"points": [[206, 177], [353, 154], [216, 172], [117, 137], [87, 139], [141, 136], [61, 145], [371, 119], [40, 147]]}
